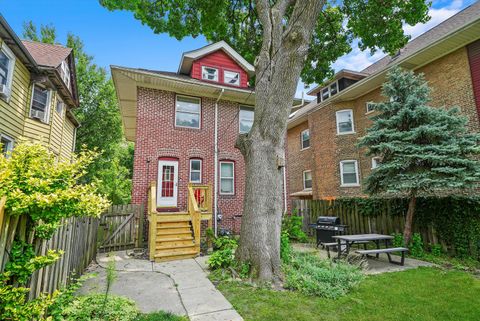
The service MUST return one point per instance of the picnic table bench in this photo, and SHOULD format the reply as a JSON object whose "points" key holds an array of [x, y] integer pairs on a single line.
{"points": [[387, 251]]}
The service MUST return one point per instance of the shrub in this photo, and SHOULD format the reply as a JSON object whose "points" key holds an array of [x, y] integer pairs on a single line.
{"points": [[92, 308], [160, 316], [285, 247], [398, 240], [224, 254], [436, 249], [311, 275], [292, 224], [416, 245]]}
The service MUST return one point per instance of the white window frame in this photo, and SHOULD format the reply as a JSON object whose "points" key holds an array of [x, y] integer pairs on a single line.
{"points": [[329, 87], [304, 180], [186, 112], [203, 73], [240, 118], [342, 184], [11, 68], [368, 111], [302, 141], [233, 72], [11, 143], [232, 178], [59, 100], [375, 162], [46, 118], [353, 122], [196, 171], [65, 73]]}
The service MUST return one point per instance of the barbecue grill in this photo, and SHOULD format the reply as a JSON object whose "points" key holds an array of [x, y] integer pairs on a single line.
{"points": [[326, 227]]}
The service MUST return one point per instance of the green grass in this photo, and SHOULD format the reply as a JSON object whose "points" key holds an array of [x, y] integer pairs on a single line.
{"points": [[160, 316], [423, 294]]}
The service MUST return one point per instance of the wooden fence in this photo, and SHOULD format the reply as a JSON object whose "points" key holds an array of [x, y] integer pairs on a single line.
{"points": [[76, 237], [121, 227]]}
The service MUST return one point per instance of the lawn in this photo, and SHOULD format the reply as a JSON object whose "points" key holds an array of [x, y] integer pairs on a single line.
{"points": [[424, 294]]}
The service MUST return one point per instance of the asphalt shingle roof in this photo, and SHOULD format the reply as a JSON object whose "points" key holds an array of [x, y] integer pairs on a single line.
{"points": [[46, 54]]}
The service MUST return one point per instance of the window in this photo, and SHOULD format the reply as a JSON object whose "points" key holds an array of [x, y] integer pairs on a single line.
{"points": [[40, 103], [187, 112], [375, 162], [7, 63], [370, 107], [195, 170], [231, 78], [325, 93], [333, 89], [305, 137], [328, 91], [65, 73], [7, 145], [209, 73], [245, 119], [227, 181], [60, 106], [307, 180], [349, 173], [345, 122]]}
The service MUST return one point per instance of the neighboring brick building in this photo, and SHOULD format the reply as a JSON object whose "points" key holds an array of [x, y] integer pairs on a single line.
{"points": [[449, 57], [172, 118]]}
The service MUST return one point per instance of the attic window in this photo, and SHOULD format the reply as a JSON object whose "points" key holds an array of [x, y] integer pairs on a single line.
{"points": [[209, 73], [65, 73], [231, 77]]}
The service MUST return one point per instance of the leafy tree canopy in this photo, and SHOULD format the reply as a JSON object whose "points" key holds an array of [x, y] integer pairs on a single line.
{"points": [[377, 23]]}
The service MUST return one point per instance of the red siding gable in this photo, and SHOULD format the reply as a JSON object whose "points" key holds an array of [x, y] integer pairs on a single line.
{"points": [[220, 60], [474, 59]]}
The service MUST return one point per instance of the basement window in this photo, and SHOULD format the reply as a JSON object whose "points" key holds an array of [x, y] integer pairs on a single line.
{"points": [[209, 73]]}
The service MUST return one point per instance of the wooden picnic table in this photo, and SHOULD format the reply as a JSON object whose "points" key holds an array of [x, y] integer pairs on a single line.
{"points": [[349, 240]]}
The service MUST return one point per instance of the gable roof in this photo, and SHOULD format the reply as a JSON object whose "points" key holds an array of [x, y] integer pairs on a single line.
{"points": [[46, 54], [190, 56]]}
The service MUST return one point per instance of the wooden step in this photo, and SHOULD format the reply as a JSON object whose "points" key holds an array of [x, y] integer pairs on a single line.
{"points": [[179, 254], [177, 242], [173, 224], [179, 230], [161, 248], [174, 233], [168, 238]]}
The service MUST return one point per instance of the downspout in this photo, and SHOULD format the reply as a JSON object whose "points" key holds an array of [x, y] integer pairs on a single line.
{"points": [[215, 183], [285, 205]]}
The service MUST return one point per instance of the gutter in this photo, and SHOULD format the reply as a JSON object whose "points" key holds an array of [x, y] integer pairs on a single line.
{"points": [[215, 175]]}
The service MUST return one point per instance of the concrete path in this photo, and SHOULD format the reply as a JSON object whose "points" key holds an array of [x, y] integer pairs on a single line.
{"points": [[180, 287]]}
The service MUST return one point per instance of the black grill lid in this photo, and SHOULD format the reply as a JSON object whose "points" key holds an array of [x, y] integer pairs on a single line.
{"points": [[328, 220]]}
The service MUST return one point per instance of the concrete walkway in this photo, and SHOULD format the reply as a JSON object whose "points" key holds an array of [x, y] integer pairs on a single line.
{"points": [[180, 287]]}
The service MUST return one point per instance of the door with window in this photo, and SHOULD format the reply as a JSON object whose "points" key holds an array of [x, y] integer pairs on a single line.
{"points": [[167, 183]]}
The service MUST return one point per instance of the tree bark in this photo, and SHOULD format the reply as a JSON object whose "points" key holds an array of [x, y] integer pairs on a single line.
{"points": [[407, 231], [278, 68]]}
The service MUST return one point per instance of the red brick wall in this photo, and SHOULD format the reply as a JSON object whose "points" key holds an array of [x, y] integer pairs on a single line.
{"points": [[158, 137], [298, 160], [474, 60], [221, 61]]}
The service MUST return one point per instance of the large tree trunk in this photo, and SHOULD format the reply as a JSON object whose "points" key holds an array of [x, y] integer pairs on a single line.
{"points": [[407, 231], [278, 68]]}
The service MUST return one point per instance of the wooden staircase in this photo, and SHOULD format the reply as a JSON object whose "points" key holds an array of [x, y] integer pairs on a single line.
{"points": [[176, 236]]}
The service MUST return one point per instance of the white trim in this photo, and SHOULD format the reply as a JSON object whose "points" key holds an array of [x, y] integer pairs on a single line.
{"points": [[59, 100], [303, 179], [375, 161], [301, 139], [199, 171], [353, 122], [46, 118], [170, 201], [199, 112], [213, 68], [11, 69], [65, 73], [244, 107], [329, 90], [342, 184], [232, 178], [232, 71], [366, 107]]}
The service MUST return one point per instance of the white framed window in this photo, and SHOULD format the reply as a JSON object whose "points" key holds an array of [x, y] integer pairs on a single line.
{"points": [[209, 73], [375, 162], [40, 104], [7, 65], [307, 180], [305, 139], [231, 77], [345, 122], [245, 119], [60, 106], [187, 112], [227, 178], [65, 73], [195, 170], [349, 173], [370, 106], [329, 91], [7, 145]]}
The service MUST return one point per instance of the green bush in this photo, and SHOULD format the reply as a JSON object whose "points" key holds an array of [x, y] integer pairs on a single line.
{"points": [[416, 245], [160, 316], [225, 242], [292, 224], [309, 274], [224, 253], [285, 247], [93, 308], [398, 240]]}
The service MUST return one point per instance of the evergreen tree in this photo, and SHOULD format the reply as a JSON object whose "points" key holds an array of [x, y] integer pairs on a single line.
{"points": [[422, 149]]}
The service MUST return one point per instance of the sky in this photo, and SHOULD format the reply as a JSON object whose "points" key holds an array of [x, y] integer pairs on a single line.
{"points": [[117, 38]]}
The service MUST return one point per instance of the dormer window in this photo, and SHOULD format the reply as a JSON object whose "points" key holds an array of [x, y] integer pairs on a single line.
{"points": [[231, 78], [65, 73], [209, 73], [329, 91]]}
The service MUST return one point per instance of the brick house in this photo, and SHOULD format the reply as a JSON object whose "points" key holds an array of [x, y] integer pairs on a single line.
{"points": [[185, 124], [323, 160]]}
